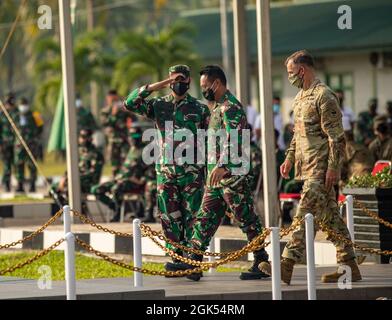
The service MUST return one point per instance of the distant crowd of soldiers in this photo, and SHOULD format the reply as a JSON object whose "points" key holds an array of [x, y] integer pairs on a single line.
{"points": [[13, 154]]}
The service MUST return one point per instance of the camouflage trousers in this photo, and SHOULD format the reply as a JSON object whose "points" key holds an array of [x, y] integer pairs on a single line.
{"points": [[215, 203], [179, 198], [118, 153], [7, 155], [21, 160], [116, 189], [322, 204], [150, 194]]}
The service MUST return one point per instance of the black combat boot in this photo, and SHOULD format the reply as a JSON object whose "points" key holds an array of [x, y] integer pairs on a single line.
{"points": [[20, 187], [175, 265], [185, 266], [149, 218], [254, 273]]}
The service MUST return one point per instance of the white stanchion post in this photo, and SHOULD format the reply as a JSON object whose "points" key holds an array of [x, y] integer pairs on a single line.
{"points": [[70, 278], [69, 255], [350, 216], [211, 248], [311, 268], [275, 261], [137, 253]]}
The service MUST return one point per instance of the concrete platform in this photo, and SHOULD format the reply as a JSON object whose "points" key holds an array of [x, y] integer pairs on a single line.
{"points": [[377, 282]]}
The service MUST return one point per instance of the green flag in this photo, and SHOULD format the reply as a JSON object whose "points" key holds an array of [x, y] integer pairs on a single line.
{"points": [[57, 139]]}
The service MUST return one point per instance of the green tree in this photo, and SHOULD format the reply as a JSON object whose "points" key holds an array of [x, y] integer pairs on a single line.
{"points": [[142, 56], [92, 62]]}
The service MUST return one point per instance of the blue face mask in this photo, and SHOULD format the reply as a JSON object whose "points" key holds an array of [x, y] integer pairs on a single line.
{"points": [[276, 108]]}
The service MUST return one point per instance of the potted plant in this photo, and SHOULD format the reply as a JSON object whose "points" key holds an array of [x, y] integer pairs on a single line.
{"points": [[373, 192]]}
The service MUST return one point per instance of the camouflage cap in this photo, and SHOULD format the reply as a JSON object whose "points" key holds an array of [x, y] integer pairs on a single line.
{"points": [[181, 68]]}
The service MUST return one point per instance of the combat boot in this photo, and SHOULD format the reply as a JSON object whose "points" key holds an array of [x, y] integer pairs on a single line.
{"points": [[335, 276], [20, 187], [185, 266], [149, 218], [286, 269], [254, 273]]}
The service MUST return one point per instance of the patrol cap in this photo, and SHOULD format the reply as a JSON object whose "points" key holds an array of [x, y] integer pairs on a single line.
{"points": [[181, 68]]}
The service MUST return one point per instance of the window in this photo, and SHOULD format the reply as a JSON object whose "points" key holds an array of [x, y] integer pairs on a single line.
{"points": [[345, 82]]}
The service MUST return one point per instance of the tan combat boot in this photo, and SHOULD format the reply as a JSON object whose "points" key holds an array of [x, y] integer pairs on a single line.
{"points": [[334, 277], [286, 269]]}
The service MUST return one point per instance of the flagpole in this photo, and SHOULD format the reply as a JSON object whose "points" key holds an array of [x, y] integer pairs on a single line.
{"points": [[68, 81]]}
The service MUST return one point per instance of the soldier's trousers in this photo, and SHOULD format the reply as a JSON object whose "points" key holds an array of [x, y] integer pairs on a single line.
{"points": [[8, 162], [118, 153], [216, 201], [179, 198], [150, 194], [315, 199], [115, 188], [22, 159]]}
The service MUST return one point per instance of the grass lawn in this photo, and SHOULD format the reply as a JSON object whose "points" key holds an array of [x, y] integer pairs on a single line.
{"points": [[86, 267], [56, 166]]}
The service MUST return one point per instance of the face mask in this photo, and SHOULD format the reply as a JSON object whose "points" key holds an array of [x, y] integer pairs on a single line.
{"points": [[78, 103], [23, 108], [276, 108], [209, 94], [296, 80], [180, 88]]}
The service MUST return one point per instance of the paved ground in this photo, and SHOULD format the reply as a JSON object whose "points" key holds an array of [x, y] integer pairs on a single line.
{"points": [[377, 282]]}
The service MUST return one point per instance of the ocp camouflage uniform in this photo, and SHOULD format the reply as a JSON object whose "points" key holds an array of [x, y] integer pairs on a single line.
{"points": [[318, 145], [7, 141], [124, 182], [234, 191], [118, 136], [358, 160], [30, 133], [179, 182], [381, 150]]}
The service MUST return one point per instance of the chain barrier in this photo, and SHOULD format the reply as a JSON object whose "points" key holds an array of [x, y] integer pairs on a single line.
{"points": [[337, 236], [86, 220], [35, 233], [372, 214], [258, 242], [31, 260]]}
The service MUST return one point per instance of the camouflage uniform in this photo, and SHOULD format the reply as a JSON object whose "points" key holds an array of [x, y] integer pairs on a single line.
{"points": [[318, 145], [365, 127], [91, 163], [381, 150], [30, 133], [234, 192], [255, 158], [358, 160], [85, 119], [133, 168], [118, 136], [7, 141], [180, 185]]}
